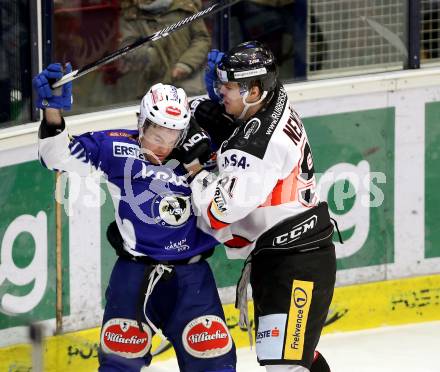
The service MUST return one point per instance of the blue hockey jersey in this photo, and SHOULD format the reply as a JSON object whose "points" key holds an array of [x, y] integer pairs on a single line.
{"points": [[152, 202]]}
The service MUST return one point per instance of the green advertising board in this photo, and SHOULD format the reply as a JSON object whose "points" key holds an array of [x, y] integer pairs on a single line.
{"points": [[27, 236], [432, 180], [354, 155]]}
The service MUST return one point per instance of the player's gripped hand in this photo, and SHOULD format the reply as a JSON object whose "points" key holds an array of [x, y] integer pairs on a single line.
{"points": [[60, 98], [196, 145], [213, 118]]}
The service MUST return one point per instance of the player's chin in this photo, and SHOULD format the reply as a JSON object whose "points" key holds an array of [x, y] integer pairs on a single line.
{"points": [[228, 107]]}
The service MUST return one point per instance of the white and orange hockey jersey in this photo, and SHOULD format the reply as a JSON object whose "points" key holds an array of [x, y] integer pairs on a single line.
{"points": [[266, 175]]}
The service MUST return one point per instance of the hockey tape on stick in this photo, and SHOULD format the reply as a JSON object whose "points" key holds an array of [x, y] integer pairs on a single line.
{"points": [[220, 5]]}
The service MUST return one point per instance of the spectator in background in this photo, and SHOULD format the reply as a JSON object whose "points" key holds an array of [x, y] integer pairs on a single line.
{"points": [[283, 25], [267, 21], [5, 84], [14, 62], [176, 59], [430, 29], [273, 23]]}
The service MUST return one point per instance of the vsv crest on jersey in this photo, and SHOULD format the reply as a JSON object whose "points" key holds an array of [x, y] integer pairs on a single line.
{"points": [[174, 209], [123, 337], [207, 337]]}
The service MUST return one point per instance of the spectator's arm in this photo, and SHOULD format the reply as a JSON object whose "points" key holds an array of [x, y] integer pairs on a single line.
{"points": [[195, 54]]}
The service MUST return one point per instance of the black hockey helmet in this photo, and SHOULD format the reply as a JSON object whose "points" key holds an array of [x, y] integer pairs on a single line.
{"points": [[249, 62]]}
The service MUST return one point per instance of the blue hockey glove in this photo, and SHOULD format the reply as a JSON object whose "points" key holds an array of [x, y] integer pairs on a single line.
{"points": [[214, 57], [60, 98]]}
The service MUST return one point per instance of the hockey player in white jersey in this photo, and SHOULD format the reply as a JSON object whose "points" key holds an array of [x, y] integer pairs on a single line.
{"points": [[161, 282], [265, 191]]}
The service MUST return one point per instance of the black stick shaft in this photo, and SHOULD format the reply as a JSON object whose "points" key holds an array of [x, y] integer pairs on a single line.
{"points": [[142, 40]]}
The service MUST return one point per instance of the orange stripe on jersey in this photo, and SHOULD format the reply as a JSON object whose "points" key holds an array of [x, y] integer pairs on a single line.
{"points": [[285, 190], [237, 242], [216, 224]]}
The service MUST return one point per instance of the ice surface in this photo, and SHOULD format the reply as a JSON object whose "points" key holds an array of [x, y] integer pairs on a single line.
{"points": [[410, 348]]}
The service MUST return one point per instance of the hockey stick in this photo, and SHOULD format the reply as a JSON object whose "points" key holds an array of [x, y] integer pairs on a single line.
{"points": [[142, 40], [387, 34]]}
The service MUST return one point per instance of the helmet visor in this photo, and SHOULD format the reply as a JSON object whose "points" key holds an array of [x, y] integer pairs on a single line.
{"points": [[243, 88], [159, 136]]}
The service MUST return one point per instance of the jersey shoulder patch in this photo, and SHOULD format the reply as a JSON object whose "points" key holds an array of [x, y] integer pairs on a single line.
{"points": [[110, 135], [129, 134], [253, 136]]}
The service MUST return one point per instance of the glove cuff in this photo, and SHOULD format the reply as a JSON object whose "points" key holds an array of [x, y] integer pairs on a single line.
{"points": [[56, 102]]}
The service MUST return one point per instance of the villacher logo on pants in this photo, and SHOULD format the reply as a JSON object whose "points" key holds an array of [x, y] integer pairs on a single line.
{"points": [[207, 337], [123, 337]]}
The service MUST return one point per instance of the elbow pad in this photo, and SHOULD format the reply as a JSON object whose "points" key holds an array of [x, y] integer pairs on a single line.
{"points": [[47, 130]]}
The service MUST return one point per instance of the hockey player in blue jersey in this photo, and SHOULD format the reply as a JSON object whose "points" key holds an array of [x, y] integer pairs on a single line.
{"points": [[161, 282]]}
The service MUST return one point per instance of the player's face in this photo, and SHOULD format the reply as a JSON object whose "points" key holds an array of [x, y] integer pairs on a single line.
{"points": [[232, 98], [159, 142]]}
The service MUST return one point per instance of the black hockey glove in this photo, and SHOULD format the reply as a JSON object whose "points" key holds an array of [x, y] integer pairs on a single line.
{"points": [[212, 117], [114, 237], [196, 145]]}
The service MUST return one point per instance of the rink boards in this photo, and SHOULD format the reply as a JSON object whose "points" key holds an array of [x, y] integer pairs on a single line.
{"points": [[354, 307]]}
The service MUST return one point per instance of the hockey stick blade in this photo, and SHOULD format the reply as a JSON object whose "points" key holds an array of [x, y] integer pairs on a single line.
{"points": [[142, 40]]}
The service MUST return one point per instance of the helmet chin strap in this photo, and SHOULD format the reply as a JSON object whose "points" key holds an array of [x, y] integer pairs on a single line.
{"points": [[141, 123], [247, 105]]}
